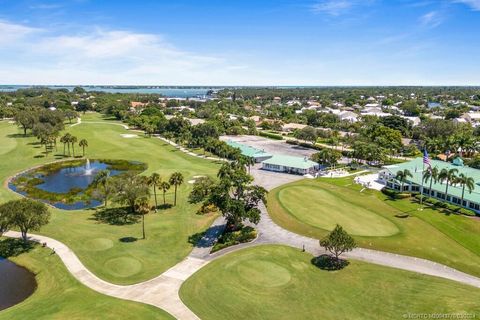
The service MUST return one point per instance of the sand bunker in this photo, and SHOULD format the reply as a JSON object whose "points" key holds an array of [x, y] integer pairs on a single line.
{"points": [[128, 135]]}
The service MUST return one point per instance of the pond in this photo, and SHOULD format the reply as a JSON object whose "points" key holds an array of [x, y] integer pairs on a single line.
{"points": [[68, 185], [16, 283]]}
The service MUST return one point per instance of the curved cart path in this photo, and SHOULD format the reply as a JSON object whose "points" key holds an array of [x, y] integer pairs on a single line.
{"points": [[163, 290]]}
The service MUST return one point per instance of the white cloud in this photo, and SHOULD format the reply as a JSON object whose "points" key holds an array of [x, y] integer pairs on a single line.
{"points": [[46, 6], [110, 56], [431, 19], [10, 32], [338, 7], [333, 7], [473, 4]]}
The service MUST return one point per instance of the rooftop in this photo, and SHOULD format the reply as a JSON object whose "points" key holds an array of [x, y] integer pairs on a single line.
{"points": [[416, 166], [248, 151], [289, 161]]}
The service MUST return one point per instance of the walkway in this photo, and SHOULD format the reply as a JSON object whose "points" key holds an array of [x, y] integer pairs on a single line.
{"points": [[163, 291]]}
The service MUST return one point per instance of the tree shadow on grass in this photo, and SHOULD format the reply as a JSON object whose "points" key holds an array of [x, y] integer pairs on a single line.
{"points": [[164, 206], [329, 263], [11, 247], [19, 135], [128, 239], [115, 216]]}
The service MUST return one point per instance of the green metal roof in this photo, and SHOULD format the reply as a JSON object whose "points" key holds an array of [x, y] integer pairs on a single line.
{"points": [[415, 167], [248, 151], [292, 162]]}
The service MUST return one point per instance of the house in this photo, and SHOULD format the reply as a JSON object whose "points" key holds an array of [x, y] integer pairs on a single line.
{"points": [[415, 121], [289, 127], [195, 121], [459, 120], [290, 164], [374, 111], [348, 116], [293, 103], [471, 200], [137, 106], [472, 117], [182, 108]]}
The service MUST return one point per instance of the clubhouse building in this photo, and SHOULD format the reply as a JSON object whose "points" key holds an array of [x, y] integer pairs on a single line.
{"points": [[278, 163], [257, 154], [414, 183]]}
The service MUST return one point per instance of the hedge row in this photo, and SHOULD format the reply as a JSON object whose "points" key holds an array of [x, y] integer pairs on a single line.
{"points": [[396, 194], [445, 205], [270, 135], [316, 147]]}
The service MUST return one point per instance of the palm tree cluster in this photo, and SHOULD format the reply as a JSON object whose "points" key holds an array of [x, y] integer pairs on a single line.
{"points": [[70, 140], [402, 176], [155, 180], [451, 178], [464, 143]]}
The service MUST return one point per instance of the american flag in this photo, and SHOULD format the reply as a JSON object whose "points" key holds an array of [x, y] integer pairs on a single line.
{"points": [[426, 159]]}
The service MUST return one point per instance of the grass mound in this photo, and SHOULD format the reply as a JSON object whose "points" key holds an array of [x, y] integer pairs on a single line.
{"points": [[276, 282]]}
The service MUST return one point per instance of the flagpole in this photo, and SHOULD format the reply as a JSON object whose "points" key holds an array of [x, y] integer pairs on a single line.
{"points": [[425, 155], [421, 189]]}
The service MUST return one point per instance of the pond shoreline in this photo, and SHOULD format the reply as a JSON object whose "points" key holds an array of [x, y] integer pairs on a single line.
{"points": [[17, 283]]}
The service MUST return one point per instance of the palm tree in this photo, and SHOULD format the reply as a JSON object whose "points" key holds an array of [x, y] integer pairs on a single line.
{"points": [[432, 175], [65, 139], [142, 207], [164, 185], [154, 180], [176, 179], [102, 178], [83, 143], [402, 175], [73, 140], [467, 182], [448, 176]]}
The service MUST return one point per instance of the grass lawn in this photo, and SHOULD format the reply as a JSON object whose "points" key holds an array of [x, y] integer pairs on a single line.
{"points": [[96, 243], [312, 207], [352, 213], [60, 296], [276, 282]]}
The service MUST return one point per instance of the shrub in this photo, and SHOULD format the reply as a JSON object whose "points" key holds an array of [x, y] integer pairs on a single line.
{"points": [[467, 212], [207, 208], [270, 135], [440, 204], [230, 238], [395, 194], [452, 207]]}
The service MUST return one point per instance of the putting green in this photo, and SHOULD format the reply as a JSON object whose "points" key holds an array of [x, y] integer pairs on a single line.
{"points": [[264, 273], [98, 244], [243, 285], [123, 266], [320, 208]]}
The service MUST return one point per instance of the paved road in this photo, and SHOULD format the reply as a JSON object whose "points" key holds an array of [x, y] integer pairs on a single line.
{"points": [[162, 291]]}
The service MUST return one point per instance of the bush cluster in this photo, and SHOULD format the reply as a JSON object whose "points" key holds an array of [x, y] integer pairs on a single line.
{"points": [[270, 135], [445, 205], [230, 238], [395, 194]]}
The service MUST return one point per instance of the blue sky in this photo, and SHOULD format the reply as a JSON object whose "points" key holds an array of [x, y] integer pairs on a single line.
{"points": [[325, 42]]}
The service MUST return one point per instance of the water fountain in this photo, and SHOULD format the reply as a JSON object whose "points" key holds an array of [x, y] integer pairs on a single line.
{"points": [[88, 168]]}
